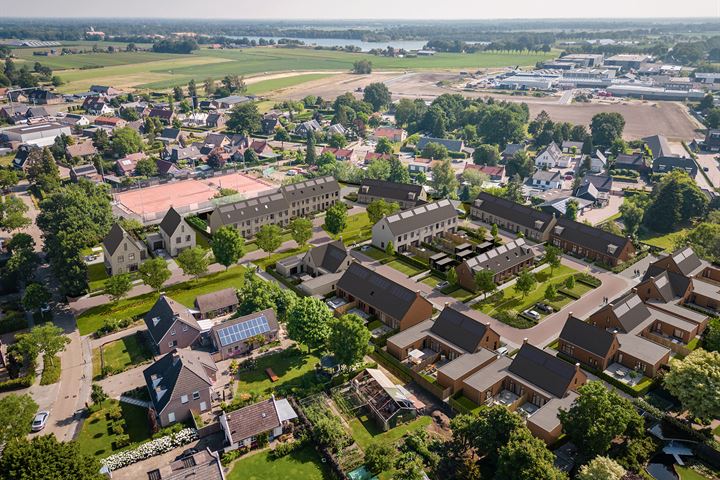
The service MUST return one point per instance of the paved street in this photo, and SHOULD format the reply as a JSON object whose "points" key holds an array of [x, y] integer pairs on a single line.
{"points": [[22, 192]]}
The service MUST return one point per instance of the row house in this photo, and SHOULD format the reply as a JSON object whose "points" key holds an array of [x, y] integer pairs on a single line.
{"points": [[413, 227], [504, 261], [406, 195]]}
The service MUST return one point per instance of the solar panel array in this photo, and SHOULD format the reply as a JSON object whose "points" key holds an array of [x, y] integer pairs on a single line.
{"points": [[242, 331]]}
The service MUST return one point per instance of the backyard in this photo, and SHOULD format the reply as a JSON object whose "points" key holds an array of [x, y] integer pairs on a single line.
{"points": [[666, 241], [97, 436], [119, 355], [365, 431], [302, 463], [295, 369], [406, 268]]}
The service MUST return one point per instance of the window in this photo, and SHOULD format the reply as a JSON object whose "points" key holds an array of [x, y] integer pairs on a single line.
{"points": [[172, 343], [196, 395], [185, 328], [187, 238], [131, 256], [178, 239], [121, 259], [172, 332], [183, 398], [171, 417]]}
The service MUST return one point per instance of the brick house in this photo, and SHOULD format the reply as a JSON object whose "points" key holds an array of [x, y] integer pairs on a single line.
{"points": [[586, 241], [512, 216], [237, 336], [504, 261], [171, 325]]}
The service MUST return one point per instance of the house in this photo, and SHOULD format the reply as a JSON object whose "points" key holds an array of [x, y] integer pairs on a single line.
{"points": [[630, 161], [534, 383], [269, 123], [18, 114], [585, 241], [169, 135], [504, 261], [415, 226], [209, 105], [319, 268], [177, 153], [113, 122], [39, 134], [163, 114], [337, 129], [232, 100], [204, 465], [311, 196], [406, 195], [572, 148], [547, 180], [550, 157], [86, 171], [512, 216], [310, 126], [242, 427], [123, 253], [176, 234], [598, 162], [216, 140], [194, 119], [511, 149], [22, 156], [180, 384], [658, 146], [171, 325], [340, 154], [421, 165], [459, 343], [169, 169], [74, 120], [495, 173], [215, 120], [217, 303], [97, 105], [372, 156], [588, 344], [558, 206], [43, 97], [392, 303], [80, 150], [105, 90], [395, 135], [241, 335], [262, 148], [668, 164], [455, 146], [126, 166], [712, 140]]}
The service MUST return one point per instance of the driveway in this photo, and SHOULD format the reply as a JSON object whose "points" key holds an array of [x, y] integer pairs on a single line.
{"points": [[21, 191]]}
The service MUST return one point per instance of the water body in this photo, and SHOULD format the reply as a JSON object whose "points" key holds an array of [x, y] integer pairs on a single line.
{"points": [[341, 42]]}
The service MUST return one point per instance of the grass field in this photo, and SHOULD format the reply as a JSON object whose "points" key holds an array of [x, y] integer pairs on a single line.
{"points": [[291, 370], [686, 473], [121, 354], [96, 437], [303, 463], [357, 229], [285, 82], [160, 71], [365, 431], [432, 280], [407, 269], [185, 293], [666, 241]]}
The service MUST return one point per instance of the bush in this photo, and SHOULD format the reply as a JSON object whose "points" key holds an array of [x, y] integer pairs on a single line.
{"points": [[122, 441], [588, 279], [228, 457], [150, 449], [12, 321], [17, 383], [118, 428], [51, 371]]}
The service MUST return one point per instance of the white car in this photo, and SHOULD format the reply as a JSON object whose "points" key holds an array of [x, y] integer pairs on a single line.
{"points": [[365, 248], [532, 314], [40, 421], [442, 285]]}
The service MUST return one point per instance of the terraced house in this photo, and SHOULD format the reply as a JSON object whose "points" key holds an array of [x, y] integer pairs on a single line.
{"points": [[413, 227], [512, 216], [406, 195]]}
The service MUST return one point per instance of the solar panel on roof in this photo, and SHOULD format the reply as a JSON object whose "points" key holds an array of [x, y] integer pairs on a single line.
{"points": [[622, 310], [242, 331], [432, 206], [633, 302]]}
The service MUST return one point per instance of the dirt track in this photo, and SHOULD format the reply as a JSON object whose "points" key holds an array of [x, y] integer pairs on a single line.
{"points": [[641, 118]]}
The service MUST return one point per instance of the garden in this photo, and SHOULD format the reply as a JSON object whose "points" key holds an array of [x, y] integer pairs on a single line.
{"points": [[113, 426], [119, 355], [357, 229], [303, 463]]}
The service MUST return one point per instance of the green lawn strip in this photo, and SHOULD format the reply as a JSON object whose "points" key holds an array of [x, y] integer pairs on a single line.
{"points": [[292, 370], [375, 253], [96, 437], [185, 293], [462, 295], [51, 371], [467, 404], [97, 275], [431, 280], [357, 229], [405, 268], [125, 352], [365, 431], [686, 473], [304, 463], [666, 241]]}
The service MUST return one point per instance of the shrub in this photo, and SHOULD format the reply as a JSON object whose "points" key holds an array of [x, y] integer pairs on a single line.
{"points": [[51, 371], [228, 457], [118, 428], [17, 383], [150, 449]]}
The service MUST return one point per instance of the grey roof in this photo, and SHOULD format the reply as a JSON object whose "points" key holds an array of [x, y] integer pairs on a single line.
{"points": [[665, 164], [216, 139], [170, 133], [546, 417], [603, 183], [546, 176], [391, 190], [252, 420], [449, 143], [631, 312], [502, 258], [377, 290], [210, 302], [641, 348], [514, 212], [553, 150], [114, 238], [163, 315], [543, 369], [587, 192], [180, 153], [329, 256], [178, 371], [633, 160], [687, 260], [242, 210], [512, 148], [559, 205], [170, 221], [310, 125], [310, 188], [86, 169], [465, 364], [460, 329], [422, 216], [590, 237], [588, 337], [201, 466], [658, 145], [568, 144], [233, 99], [670, 285]]}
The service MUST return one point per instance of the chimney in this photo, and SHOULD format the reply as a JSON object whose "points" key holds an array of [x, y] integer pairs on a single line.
{"points": [[577, 367], [525, 340], [447, 304], [634, 289]]}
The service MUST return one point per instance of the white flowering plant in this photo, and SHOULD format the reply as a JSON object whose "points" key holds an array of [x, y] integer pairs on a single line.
{"points": [[150, 449]]}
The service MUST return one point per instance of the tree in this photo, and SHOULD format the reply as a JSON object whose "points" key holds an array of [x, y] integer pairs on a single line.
{"points": [[711, 337], [228, 246], [570, 282], [16, 414], [704, 240], [362, 67], [125, 141], [281, 135], [444, 180], [308, 322], [553, 256], [192, 92], [601, 468], [98, 395], [379, 457], [43, 171], [146, 167], [695, 381], [390, 249], [12, 213], [571, 210], [452, 276], [8, 178], [384, 146], [349, 340], [194, 261], [485, 281], [154, 273], [597, 417], [377, 209], [36, 295], [20, 241], [525, 283], [45, 457], [337, 140], [674, 201], [47, 339], [520, 164], [336, 218], [486, 432], [377, 95], [269, 238], [378, 169], [118, 286], [310, 153], [398, 171], [178, 93], [606, 127], [632, 216], [244, 118], [434, 151], [494, 232], [209, 86], [486, 155], [550, 292], [301, 230], [525, 456]]}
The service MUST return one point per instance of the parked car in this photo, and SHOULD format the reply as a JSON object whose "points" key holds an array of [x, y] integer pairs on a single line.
{"points": [[532, 314], [544, 308], [365, 248], [40, 421], [442, 285]]}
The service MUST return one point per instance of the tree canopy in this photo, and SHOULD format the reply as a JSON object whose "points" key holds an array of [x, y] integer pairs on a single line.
{"points": [[16, 414], [228, 246], [674, 201], [45, 457], [154, 273], [349, 339], [309, 322], [695, 381], [244, 118], [336, 218], [269, 238], [377, 95]]}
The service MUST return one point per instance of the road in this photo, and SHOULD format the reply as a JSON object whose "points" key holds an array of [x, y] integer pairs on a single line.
{"points": [[707, 160], [678, 149], [22, 191]]}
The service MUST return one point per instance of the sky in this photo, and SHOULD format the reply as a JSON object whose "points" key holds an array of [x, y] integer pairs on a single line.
{"points": [[363, 9]]}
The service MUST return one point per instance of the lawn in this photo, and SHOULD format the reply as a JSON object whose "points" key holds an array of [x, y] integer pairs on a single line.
{"points": [[6, 160], [121, 354], [96, 276], [432, 280], [365, 431], [303, 463], [468, 404], [185, 293], [686, 473], [96, 437], [374, 253], [460, 294], [293, 368], [407, 269], [666, 241], [357, 229]]}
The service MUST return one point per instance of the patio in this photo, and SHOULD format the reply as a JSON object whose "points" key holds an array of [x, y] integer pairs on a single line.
{"points": [[624, 374], [527, 409], [505, 397]]}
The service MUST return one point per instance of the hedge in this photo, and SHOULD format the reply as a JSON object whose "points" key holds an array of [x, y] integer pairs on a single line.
{"points": [[588, 279], [17, 383], [51, 371], [637, 391], [12, 322]]}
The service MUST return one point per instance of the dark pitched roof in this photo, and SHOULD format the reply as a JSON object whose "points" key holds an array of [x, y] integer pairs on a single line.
{"points": [[329, 256], [590, 237], [666, 164], [114, 238], [669, 284], [170, 132], [588, 337], [421, 216], [542, 369], [178, 371], [459, 329], [516, 213], [212, 301], [547, 176], [512, 148], [170, 221], [253, 420], [658, 145], [449, 143], [391, 190], [310, 188], [630, 311], [502, 258], [255, 323], [587, 192], [603, 183], [686, 260], [163, 315], [377, 290], [633, 160], [251, 208]]}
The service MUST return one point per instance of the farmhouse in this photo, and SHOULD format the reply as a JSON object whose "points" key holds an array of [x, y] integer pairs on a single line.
{"points": [[547, 180], [550, 157]]}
